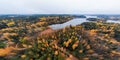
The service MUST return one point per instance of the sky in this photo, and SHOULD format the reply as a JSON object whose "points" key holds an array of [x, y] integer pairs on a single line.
{"points": [[59, 6]]}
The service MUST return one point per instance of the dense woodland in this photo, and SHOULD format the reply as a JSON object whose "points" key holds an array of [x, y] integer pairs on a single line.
{"points": [[21, 39]]}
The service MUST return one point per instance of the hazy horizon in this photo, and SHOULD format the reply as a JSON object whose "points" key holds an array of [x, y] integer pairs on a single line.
{"points": [[59, 7]]}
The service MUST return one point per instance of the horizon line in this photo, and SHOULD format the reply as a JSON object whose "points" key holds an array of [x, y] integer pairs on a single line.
{"points": [[59, 14]]}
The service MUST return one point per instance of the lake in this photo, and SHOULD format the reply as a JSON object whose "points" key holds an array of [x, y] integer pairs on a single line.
{"points": [[75, 22], [113, 21]]}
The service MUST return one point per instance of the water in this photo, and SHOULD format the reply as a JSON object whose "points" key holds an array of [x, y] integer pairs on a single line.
{"points": [[75, 22], [113, 21]]}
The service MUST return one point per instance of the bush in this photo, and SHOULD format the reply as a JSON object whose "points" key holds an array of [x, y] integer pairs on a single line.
{"points": [[117, 33], [89, 25], [2, 45], [3, 25]]}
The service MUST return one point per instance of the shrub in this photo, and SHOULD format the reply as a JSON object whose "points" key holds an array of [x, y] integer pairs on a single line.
{"points": [[2, 45], [3, 25], [89, 25]]}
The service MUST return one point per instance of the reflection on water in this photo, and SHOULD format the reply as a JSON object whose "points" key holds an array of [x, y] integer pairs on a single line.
{"points": [[75, 22]]}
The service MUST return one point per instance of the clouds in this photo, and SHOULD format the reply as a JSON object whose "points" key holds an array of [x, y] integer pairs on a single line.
{"points": [[59, 7]]}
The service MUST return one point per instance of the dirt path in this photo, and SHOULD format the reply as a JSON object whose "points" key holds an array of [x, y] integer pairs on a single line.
{"points": [[48, 31]]}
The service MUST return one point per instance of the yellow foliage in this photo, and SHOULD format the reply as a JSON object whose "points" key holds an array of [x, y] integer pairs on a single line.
{"points": [[25, 38], [74, 46], [8, 29], [23, 56], [115, 52], [31, 59], [85, 58], [56, 53], [11, 23], [83, 41], [56, 46], [77, 42], [53, 47], [90, 51], [30, 52], [43, 49], [46, 45], [24, 45], [92, 31], [80, 51], [88, 47], [5, 21], [41, 23], [7, 35], [68, 59], [6, 51], [10, 34], [66, 44], [70, 40], [43, 19], [106, 35]]}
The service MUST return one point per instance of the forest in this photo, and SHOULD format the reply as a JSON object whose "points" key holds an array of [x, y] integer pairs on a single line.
{"points": [[28, 38]]}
